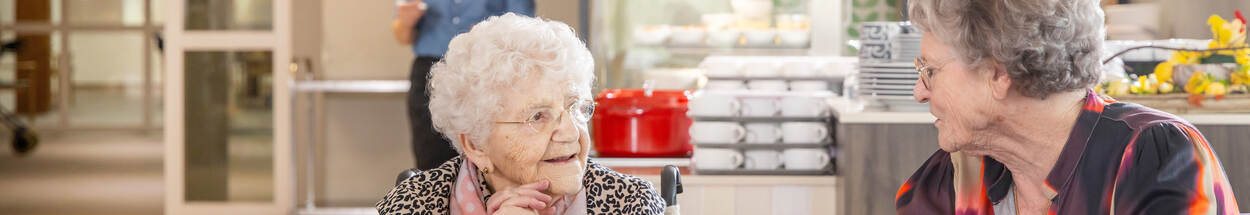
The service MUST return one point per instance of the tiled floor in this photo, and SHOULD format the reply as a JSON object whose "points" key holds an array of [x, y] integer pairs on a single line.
{"points": [[112, 173], [118, 172], [84, 173]]}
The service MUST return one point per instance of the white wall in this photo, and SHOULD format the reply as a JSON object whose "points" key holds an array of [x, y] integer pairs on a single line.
{"points": [[1188, 18], [366, 145], [107, 58], [357, 41], [560, 10]]}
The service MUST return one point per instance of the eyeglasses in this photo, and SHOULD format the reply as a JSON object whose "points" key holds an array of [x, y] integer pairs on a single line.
{"points": [[547, 119], [925, 70]]}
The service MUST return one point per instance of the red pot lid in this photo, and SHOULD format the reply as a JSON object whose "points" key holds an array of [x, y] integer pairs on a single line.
{"points": [[641, 98]]}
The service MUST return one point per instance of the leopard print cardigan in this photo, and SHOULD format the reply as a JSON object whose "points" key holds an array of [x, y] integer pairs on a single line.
{"points": [[607, 192]]}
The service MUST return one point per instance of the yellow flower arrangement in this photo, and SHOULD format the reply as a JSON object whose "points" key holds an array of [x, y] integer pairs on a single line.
{"points": [[1229, 45]]}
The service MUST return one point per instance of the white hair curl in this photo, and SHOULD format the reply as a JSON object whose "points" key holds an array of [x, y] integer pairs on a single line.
{"points": [[484, 65]]}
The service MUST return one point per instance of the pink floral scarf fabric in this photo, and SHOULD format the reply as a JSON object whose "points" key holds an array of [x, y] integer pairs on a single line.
{"points": [[469, 195]]}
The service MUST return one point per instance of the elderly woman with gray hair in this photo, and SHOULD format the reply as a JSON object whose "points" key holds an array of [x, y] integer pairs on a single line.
{"points": [[1021, 131], [513, 96]]}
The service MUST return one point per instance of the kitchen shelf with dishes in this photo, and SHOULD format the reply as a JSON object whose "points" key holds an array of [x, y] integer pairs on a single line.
{"points": [[766, 145], [826, 171], [753, 53], [708, 51], [776, 78], [761, 118], [727, 33], [764, 116], [776, 73], [662, 41]]}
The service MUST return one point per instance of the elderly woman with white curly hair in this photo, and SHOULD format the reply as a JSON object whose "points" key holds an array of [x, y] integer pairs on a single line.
{"points": [[513, 96], [1021, 131]]}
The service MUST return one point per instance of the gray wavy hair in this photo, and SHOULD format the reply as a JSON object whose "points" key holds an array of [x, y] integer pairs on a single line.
{"points": [[484, 65], [1046, 46]]}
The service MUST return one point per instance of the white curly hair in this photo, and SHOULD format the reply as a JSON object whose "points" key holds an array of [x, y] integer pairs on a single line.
{"points": [[1046, 46], [484, 65]]}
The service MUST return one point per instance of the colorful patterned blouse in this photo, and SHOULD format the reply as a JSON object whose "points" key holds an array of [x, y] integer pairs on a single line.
{"points": [[1120, 158]]}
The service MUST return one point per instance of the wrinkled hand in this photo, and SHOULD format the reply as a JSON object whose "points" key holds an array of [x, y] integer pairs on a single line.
{"points": [[524, 199], [411, 12]]}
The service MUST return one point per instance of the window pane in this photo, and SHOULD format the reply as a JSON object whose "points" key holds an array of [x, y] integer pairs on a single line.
{"points": [[105, 12], [158, 11], [107, 78], [8, 69], [7, 11], [229, 15], [229, 132]]}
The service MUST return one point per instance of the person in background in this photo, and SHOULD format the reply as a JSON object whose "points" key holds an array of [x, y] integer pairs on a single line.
{"points": [[428, 26], [1022, 132]]}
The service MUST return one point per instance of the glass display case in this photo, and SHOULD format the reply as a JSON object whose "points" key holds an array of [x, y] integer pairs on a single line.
{"points": [[634, 41]]}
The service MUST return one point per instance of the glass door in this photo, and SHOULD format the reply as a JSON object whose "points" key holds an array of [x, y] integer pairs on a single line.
{"points": [[226, 94], [75, 65]]}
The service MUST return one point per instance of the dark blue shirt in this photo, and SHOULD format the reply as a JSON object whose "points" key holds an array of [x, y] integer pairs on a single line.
{"points": [[445, 19]]}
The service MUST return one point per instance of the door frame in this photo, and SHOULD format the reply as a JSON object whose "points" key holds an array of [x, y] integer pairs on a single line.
{"points": [[178, 42]]}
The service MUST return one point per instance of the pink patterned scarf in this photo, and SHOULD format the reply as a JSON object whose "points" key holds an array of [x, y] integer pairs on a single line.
{"points": [[468, 192]]}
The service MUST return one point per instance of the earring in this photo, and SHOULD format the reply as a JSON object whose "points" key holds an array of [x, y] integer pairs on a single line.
{"points": [[485, 170]]}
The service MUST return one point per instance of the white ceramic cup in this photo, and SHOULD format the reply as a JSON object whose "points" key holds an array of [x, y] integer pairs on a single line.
{"points": [[715, 104], [723, 68], [768, 85], [805, 159], [725, 85], [809, 86], [653, 35], [759, 38], [717, 159], [718, 20], [687, 37], [799, 69], [761, 107], [804, 132], [838, 68], [760, 69], [804, 106], [763, 159], [763, 133], [717, 132], [794, 38], [722, 38]]}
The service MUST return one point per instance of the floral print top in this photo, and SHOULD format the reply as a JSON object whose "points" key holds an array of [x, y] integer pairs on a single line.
{"points": [[1120, 158]]}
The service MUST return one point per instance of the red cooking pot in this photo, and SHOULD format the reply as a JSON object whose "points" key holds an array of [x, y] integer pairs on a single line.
{"points": [[642, 123]]}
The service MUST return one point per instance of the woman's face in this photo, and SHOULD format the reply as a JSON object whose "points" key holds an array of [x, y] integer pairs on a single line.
{"points": [[549, 142], [958, 96]]}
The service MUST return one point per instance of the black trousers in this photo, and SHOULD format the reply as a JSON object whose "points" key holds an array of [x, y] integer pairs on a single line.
{"points": [[429, 148]]}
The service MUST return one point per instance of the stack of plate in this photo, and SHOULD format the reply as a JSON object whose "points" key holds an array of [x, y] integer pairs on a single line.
{"points": [[888, 42], [907, 46], [887, 73], [889, 84]]}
